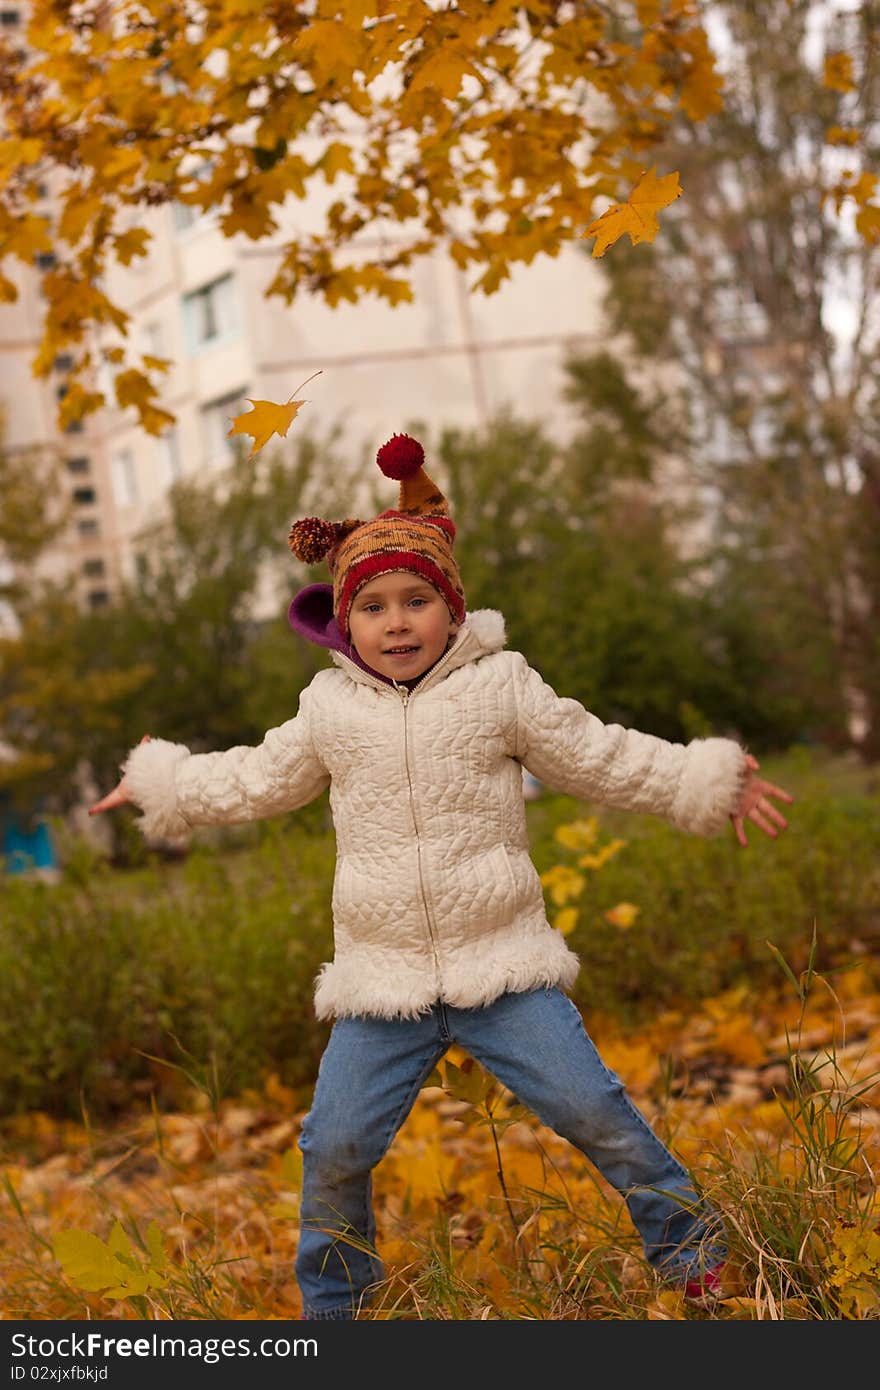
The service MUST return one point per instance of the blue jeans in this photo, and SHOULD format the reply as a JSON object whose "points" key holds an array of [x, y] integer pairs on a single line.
{"points": [[535, 1044]]}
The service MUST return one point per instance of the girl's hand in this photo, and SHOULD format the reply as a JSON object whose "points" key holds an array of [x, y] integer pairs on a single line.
{"points": [[119, 795], [754, 806]]}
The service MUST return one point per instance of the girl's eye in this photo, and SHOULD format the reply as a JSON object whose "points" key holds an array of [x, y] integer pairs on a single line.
{"points": [[418, 600]]}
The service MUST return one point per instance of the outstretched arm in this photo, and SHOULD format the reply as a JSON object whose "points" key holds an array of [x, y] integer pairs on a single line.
{"points": [[699, 787], [177, 790]]}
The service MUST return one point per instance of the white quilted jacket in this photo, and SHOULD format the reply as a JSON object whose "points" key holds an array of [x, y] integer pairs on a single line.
{"points": [[435, 894]]}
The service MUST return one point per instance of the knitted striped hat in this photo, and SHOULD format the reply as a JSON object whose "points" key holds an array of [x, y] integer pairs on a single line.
{"points": [[416, 536]]}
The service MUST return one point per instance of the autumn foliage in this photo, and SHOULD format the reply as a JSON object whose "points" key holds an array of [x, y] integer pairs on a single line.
{"points": [[492, 128], [192, 1211]]}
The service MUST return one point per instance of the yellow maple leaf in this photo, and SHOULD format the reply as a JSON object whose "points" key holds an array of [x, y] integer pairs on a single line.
{"points": [[564, 883], [442, 72], [842, 135], [566, 920], [623, 915], [578, 834], [638, 215], [267, 418], [868, 224], [838, 74]]}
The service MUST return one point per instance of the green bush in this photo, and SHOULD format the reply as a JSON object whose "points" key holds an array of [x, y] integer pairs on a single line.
{"points": [[208, 964], [708, 908]]}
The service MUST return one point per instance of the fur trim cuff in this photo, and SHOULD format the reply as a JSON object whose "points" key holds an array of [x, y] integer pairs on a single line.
{"points": [[150, 776], [710, 787]]}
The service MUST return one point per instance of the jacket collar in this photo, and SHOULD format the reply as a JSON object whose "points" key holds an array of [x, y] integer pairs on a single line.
{"points": [[481, 633]]}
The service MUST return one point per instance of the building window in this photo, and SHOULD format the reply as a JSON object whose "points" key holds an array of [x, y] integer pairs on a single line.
{"points": [[78, 465], [63, 362], [98, 598], [45, 260], [124, 478], [10, 19], [185, 215], [210, 315], [141, 567], [170, 455], [84, 496], [217, 415], [94, 569], [152, 339], [88, 528]]}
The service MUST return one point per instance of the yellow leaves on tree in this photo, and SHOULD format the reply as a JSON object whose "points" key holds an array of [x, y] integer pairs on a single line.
{"points": [[267, 418], [838, 74], [637, 217], [861, 189], [482, 131]]}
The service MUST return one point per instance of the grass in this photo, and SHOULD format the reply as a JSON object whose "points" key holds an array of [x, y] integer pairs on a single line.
{"points": [[118, 985], [510, 1224]]}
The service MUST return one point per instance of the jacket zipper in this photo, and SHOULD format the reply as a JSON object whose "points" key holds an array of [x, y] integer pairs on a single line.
{"points": [[405, 696]]}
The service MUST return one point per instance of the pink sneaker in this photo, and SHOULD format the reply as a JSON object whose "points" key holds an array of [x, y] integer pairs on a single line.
{"points": [[708, 1288]]}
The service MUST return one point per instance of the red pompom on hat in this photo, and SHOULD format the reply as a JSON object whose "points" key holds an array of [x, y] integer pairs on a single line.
{"points": [[401, 457], [416, 536]]}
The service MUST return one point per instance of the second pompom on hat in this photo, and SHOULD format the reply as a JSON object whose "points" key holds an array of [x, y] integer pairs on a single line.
{"points": [[417, 536]]}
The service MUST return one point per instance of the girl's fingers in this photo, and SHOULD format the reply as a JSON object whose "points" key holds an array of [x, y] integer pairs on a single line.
{"points": [[771, 811], [755, 815], [115, 798], [777, 791], [740, 830]]}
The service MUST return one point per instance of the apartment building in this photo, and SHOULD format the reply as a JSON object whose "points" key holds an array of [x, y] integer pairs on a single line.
{"points": [[198, 299]]}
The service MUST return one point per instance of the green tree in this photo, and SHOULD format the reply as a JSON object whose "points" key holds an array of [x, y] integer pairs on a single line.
{"points": [[570, 543], [184, 652], [763, 306]]}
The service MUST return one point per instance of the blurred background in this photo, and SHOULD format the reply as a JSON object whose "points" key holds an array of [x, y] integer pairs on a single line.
{"points": [[664, 468]]}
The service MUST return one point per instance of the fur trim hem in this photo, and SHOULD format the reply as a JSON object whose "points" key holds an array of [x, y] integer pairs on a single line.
{"points": [[382, 984], [149, 773], [710, 787]]}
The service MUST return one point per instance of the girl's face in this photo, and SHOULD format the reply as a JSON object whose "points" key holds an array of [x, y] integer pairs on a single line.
{"points": [[400, 625]]}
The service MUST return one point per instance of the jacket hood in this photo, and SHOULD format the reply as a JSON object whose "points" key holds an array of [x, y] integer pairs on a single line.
{"points": [[311, 615]]}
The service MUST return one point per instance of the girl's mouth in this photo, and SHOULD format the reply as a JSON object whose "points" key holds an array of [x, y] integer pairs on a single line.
{"points": [[401, 651]]}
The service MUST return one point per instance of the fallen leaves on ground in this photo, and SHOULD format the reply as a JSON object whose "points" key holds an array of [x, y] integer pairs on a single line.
{"points": [[221, 1187]]}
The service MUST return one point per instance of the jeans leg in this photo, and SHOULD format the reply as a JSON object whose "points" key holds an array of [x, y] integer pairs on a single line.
{"points": [[536, 1045], [370, 1074]]}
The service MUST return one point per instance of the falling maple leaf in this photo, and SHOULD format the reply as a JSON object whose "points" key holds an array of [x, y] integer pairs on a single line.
{"points": [[267, 418], [638, 215]]}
